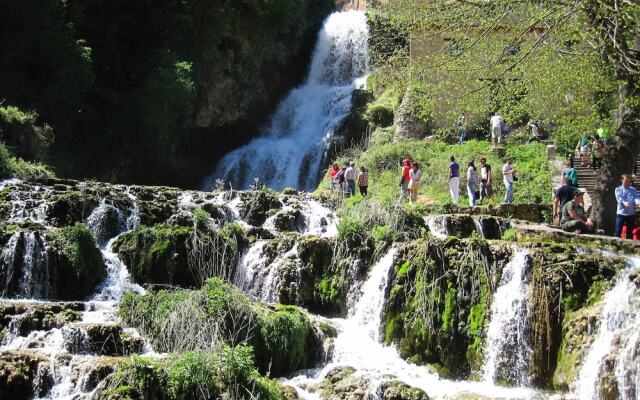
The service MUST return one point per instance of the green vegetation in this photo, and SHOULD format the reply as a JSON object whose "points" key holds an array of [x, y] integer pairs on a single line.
{"points": [[220, 373], [510, 235], [80, 266], [183, 321]]}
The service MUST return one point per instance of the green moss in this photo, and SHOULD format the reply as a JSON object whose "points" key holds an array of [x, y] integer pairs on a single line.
{"points": [[80, 265], [596, 291], [449, 305], [510, 235]]}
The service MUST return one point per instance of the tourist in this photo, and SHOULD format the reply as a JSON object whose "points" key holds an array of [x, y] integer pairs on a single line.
{"points": [[332, 175], [602, 133], [462, 126], [535, 131], [340, 183], [405, 178], [508, 176], [454, 180], [363, 181], [472, 183], [496, 129], [574, 218], [486, 179], [598, 152], [562, 196], [584, 150], [627, 198], [350, 178], [571, 173], [414, 183]]}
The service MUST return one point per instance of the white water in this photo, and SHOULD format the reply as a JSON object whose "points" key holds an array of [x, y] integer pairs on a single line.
{"points": [[507, 352], [291, 152], [438, 226], [358, 346], [618, 337]]}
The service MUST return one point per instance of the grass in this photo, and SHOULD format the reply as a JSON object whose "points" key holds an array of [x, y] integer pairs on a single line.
{"points": [[383, 163]]}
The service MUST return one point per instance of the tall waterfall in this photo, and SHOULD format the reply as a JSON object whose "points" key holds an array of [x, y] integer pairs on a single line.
{"points": [[617, 338], [291, 151], [507, 353]]}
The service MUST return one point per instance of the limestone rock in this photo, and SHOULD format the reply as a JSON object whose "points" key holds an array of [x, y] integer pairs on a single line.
{"points": [[408, 125]]}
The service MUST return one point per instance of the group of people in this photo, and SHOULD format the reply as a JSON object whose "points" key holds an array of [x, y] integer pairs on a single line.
{"points": [[480, 183], [569, 208], [591, 149], [344, 180], [499, 128], [410, 180]]}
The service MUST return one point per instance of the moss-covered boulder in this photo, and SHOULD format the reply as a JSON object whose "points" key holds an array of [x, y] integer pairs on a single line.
{"points": [[101, 339], [257, 205], [282, 337], [343, 383], [25, 317], [289, 220], [396, 390], [437, 302], [73, 254], [180, 255], [18, 371], [69, 207]]}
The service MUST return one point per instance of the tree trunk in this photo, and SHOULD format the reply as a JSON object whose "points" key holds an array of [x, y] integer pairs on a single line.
{"points": [[622, 150]]}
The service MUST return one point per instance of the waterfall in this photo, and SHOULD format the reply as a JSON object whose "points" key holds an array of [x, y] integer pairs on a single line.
{"points": [[291, 152], [24, 267], [358, 346], [618, 337], [438, 226], [507, 352]]}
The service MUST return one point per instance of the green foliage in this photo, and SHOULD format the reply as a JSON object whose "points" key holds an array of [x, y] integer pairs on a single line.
{"points": [[82, 266], [280, 338], [191, 374], [510, 235], [14, 114], [352, 230], [382, 234], [17, 167]]}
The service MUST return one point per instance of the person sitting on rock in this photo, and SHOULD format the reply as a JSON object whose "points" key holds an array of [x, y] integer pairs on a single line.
{"points": [[574, 218]]}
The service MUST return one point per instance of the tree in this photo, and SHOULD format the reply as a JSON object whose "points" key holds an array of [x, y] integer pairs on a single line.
{"points": [[504, 47]]}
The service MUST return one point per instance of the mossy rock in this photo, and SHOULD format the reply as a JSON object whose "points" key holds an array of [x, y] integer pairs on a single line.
{"points": [[256, 206], [18, 370], [157, 255], [67, 208], [396, 390]]}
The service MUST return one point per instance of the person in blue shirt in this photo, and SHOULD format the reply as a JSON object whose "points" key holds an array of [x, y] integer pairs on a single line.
{"points": [[627, 198], [570, 173]]}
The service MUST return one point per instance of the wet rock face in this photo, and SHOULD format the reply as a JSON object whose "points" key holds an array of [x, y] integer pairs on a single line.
{"points": [[101, 339], [256, 206], [396, 390], [23, 375], [289, 221], [23, 318]]}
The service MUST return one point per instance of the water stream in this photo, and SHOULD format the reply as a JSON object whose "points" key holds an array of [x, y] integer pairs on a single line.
{"points": [[291, 152]]}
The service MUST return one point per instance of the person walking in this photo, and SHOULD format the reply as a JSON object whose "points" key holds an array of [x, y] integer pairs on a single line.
{"points": [[574, 218], [496, 129], [486, 180], [627, 198], [454, 180], [472, 183], [571, 173], [462, 126], [414, 182], [598, 152], [350, 178], [535, 131], [363, 182], [405, 178], [508, 176]]}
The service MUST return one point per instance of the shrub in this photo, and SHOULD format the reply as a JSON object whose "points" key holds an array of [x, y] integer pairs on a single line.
{"points": [[379, 114], [352, 229], [510, 235]]}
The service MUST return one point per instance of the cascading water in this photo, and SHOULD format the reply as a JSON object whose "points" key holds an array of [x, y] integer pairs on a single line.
{"points": [[291, 152], [358, 346], [508, 353], [617, 337]]}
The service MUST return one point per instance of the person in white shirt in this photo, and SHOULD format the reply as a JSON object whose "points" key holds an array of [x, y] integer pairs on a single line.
{"points": [[415, 174], [472, 183], [496, 129], [350, 178], [508, 173]]}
